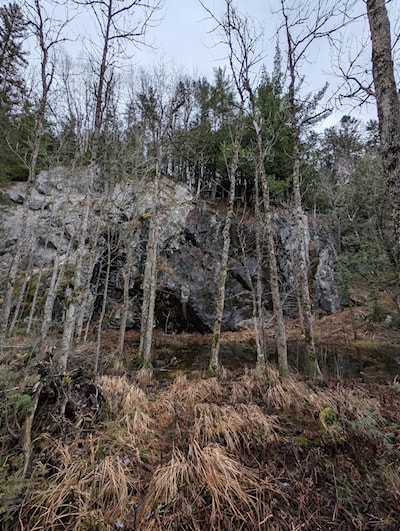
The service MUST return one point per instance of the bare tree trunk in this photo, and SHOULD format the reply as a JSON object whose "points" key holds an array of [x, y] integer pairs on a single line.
{"points": [[12, 275], [151, 267], [39, 23], [127, 285], [74, 299], [36, 293], [88, 298], [279, 324], [259, 305], [311, 363], [103, 306], [149, 289], [111, 18], [55, 283], [34, 301], [21, 295], [256, 292], [213, 365], [387, 99], [241, 40]]}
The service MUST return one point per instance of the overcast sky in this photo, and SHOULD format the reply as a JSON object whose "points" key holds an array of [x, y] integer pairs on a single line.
{"points": [[183, 38], [184, 34]]}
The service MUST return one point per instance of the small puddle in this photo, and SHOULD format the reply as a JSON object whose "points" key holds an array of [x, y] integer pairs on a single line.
{"points": [[335, 362]]}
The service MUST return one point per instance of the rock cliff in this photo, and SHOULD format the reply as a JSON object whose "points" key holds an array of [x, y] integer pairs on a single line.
{"points": [[190, 247]]}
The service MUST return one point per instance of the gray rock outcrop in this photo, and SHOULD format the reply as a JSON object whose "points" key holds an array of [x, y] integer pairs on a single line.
{"points": [[190, 249]]}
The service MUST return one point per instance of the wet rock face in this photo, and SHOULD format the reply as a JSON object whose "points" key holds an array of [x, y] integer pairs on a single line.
{"points": [[190, 251], [195, 264]]}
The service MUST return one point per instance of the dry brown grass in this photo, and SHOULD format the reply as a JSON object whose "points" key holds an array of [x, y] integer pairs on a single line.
{"points": [[251, 386], [123, 396], [218, 488], [87, 491], [132, 424], [248, 451], [281, 395], [144, 376], [235, 427], [391, 476], [193, 392]]}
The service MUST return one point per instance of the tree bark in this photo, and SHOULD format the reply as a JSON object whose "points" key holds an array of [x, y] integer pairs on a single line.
{"points": [[387, 100], [150, 272], [311, 366], [311, 362], [47, 75], [149, 292], [127, 284], [213, 365], [279, 324], [258, 295], [103, 305], [75, 298]]}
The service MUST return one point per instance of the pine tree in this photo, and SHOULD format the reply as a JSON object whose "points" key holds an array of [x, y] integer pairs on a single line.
{"points": [[12, 56], [14, 117]]}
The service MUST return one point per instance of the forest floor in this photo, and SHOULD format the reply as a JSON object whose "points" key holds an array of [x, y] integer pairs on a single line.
{"points": [[174, 449]]}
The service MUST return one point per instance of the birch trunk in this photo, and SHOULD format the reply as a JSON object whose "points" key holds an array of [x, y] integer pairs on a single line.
{"points": [[311, 363], [149, 295], [279, 324], [221, 283], [127, 282], [258, 296], [103, 306], [74, 299], [387, 100], [46, 79], [87, 297], [55, 283], [150, 271]]}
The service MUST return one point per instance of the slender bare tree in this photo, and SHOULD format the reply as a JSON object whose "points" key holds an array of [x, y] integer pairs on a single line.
{"points": [[223, 271], [302, 25], [128, 283], [387, 100], [161, 108], [48, 34], [224, 26], [242, 41], [118, 22], [264, 147]]}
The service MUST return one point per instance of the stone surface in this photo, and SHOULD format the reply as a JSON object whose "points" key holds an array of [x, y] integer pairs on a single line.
{"points": [[190, 249]]}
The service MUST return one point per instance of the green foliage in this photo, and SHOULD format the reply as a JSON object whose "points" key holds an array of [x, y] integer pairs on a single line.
{"points": [[350, 187], [272, 105], [377, 314], [327, 417], [18, 400], [12, 57], [14, 127]]}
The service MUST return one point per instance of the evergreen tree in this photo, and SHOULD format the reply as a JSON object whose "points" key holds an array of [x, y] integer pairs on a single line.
{"points": [[15, 117], [272, 105], [12, 57]]}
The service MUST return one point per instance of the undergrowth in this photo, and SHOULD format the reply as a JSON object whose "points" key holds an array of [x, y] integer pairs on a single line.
{"points": [[241, 452]]}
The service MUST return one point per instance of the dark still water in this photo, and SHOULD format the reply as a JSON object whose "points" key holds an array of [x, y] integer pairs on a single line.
{"points": [[335, 362]]}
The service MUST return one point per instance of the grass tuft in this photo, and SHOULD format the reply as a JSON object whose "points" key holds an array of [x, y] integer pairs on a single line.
{"points": [[86, 492], [233, 427], [213, 483]]}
